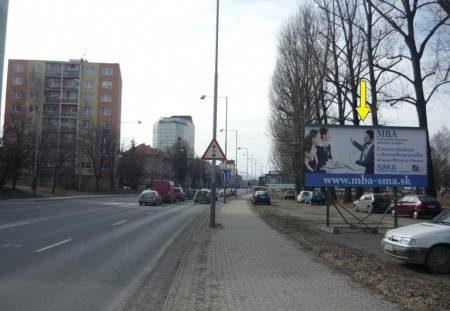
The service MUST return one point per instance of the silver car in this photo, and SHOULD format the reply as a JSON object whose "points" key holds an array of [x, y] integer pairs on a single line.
{"points": [[149, 197]]}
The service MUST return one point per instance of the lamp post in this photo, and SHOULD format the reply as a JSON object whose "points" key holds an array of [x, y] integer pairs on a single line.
{"points": [[236, 160], [212, 222], [226, 142], [246, 156]]}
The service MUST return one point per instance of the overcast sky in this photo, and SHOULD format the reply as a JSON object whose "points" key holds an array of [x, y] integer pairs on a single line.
{"points": [[166, 52]]}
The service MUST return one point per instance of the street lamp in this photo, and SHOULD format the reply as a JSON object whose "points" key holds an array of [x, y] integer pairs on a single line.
{"points": [[226, 142], [246, 156], [236, 159], [212, 222]]}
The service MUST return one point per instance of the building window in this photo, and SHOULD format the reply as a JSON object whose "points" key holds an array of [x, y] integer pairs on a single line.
{"points": [[17, 81], [86, 124], [68, 138], [105, 111], [89, 84], [89, 70], [33, 108], [69, 123], [53, 68], [15, 108], [51, 122], [107, 84], [87, 111], [19, 68], [67, 164], [107, 71], [37, 68], [51, 108], [17, 95], [106, 98], [106, 125], [86, 164], [89, 97]]}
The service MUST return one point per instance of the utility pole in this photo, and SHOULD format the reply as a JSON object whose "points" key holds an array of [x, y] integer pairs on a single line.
{"points": [[212, 222]]}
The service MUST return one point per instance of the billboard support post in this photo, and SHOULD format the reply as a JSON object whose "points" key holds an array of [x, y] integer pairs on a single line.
{"points": [[327, 199], [395, 208]]}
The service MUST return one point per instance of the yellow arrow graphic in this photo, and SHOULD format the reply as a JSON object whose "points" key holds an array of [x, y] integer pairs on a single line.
{"points": [[362, 109]]}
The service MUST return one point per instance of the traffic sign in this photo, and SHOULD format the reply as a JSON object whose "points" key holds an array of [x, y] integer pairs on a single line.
{"points": [[214, 152]]}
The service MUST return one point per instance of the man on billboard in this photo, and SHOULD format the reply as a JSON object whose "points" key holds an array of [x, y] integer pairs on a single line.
{"points": [[367, 157]]}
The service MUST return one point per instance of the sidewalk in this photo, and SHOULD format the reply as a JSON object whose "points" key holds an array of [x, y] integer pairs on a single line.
{"points": [[249, 266]]}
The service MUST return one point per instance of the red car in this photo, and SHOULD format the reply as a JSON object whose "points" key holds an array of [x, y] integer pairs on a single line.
{"points": [[417, 206], [165, 188]]}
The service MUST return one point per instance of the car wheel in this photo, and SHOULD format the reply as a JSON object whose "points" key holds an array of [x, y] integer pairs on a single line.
{"points": [[416, 215], [369, 209], [393, 213], [438, 259], [140, 203]]}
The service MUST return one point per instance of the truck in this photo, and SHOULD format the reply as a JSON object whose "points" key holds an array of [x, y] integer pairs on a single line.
{"points": [[165, 189]]}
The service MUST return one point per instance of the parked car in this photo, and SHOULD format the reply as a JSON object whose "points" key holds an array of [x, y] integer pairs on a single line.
{"points": [[257, 188], [315, 197], [289, 194], [179, 194], [190, 193], [149, 197], [417, 206], [165, 188], [204, 196], [372, 203], [261, 197], [301, 196], [425, 243]]}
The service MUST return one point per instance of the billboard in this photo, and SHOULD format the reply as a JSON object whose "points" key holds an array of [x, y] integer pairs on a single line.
{"points": [[349, 156]]}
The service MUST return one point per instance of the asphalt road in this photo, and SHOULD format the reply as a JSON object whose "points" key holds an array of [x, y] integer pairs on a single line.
{"points": [[83, 253]]}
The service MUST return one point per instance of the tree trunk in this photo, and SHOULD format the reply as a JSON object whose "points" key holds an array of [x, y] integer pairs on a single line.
{"points": [[55, 179], [97, 182], [14, 181], [422, 115]]}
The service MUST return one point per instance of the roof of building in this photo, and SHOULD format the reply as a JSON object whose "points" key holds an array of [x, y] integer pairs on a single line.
{"points": [[147, 150]]}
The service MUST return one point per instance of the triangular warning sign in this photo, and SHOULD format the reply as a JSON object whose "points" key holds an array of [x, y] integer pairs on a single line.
{"points": [[214, 152]]}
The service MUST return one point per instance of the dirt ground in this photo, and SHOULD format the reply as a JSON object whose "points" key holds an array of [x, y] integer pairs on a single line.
{"points": [[413, 290]]}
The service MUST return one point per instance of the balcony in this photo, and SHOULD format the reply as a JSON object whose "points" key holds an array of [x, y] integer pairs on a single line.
{"points": [[71, 73], [53, 86], [53, 73]]}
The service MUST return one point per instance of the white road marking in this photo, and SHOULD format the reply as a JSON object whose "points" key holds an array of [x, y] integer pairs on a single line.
{"points": [[150, 213], [120, 222], [53, 245], [14, 224]]}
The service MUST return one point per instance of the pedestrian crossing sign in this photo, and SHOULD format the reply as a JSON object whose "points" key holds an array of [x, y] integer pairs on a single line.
{"points": [[214, 152]]}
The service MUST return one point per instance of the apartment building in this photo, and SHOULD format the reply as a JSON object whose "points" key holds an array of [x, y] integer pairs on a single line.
{"points": [[166, 132], [71, 110]]}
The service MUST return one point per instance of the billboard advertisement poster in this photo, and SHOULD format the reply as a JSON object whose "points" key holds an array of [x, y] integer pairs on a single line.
{"points": [[361, 156]]}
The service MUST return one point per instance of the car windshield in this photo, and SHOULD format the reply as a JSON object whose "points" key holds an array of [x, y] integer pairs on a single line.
{"points": [[442, 218], [262, 193], [381, 197], [427, 199]]}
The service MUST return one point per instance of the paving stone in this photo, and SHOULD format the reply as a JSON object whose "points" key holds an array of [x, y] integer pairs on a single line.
{"points": [[248, 266]]}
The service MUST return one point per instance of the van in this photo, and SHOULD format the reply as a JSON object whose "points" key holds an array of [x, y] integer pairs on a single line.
{"points": [[165, 188]]}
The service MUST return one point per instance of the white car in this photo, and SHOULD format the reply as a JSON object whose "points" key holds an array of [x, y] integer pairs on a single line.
{"points": [[424, 243], [301, 196]]}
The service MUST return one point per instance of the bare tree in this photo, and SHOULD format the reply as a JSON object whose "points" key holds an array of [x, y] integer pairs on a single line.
{"points": [[417, 22], [440, 154], [298, 91], [16, 148], [99, 147]]}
